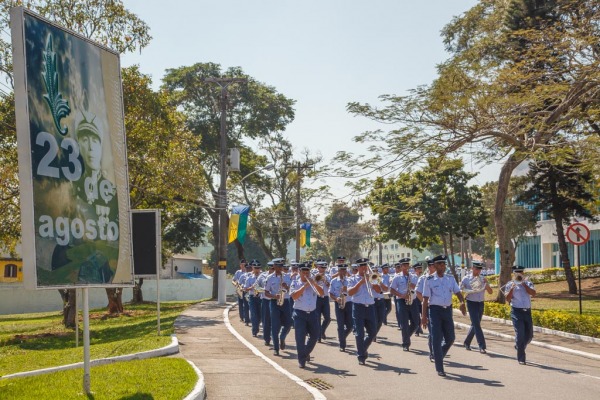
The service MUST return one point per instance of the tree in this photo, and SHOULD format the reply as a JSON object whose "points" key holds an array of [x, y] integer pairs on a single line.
{"points": [[521, 74], [429, 206], [343, 232], [562, 189], [254, 111]]}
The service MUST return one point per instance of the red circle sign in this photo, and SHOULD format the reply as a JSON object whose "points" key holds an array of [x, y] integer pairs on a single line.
{"points": [[578, 234]]}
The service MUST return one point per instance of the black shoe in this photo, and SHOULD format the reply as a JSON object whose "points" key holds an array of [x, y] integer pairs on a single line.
{"points": [[302, 365], [405, 348], [467, 347], [375, 339], [342, 349], [431, 358], [282, 345], [361, 362], [308, 358], [522, 362], [441, 373], [254, 334], [482, 351], [267, 343], [324, 337], [319, 340]]}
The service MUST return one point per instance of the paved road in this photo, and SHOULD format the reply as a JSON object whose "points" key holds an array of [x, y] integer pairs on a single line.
{"points": [[390, 372]]}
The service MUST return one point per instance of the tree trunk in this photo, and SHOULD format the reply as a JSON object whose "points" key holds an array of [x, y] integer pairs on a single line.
{"points": [[138, 296], [215, 274], [452, 265], [564, 254], [69, 297], [507, 248], [115, 303]]}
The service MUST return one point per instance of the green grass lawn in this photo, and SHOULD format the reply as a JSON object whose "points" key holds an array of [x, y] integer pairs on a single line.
{"points": [[156, 378], [34, 341]]}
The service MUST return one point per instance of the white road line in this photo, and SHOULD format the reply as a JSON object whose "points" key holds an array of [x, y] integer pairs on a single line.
{"points": [[317, 395]]}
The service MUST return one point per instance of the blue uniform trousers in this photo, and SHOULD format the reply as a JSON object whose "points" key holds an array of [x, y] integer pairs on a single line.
{"points": [[323, 309], [442, 330], [408, 320], [246, 315], [265, 313], [397, 310], [364, 318], [521, 318], [255, 308], [344, 322], [388, 309], [475, 309], [379, 313], [281, 321], [305, 323], [241, 306], [418, 307]]}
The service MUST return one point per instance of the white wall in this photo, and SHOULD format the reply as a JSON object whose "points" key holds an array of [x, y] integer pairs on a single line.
{"points": [[18, 300]]}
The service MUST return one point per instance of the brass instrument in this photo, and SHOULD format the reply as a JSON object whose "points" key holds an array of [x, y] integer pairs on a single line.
{"points": [[239, 290], [409, 292], [281, 293], [477, 284], [343, 295], [258, 289], [368, 276], [316, 280], [519, 280]]}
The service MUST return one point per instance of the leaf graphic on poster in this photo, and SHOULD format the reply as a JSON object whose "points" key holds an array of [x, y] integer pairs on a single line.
{"points": [[58, 106]]}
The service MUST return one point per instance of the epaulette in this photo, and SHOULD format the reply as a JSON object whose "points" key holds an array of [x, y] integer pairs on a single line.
{"points": [[430, 277]]}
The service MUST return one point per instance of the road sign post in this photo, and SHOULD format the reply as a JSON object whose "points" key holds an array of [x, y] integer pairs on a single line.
{"points": [[578, 234]]}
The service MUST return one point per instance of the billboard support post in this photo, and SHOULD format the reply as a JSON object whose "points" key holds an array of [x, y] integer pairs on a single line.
{"points": [[86, 341]]}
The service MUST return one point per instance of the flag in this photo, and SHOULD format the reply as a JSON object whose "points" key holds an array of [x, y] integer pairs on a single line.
{"points": [[305, 235], [237, 223]]}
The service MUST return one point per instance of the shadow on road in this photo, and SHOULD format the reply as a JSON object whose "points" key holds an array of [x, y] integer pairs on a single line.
{"points": [[470, 379]]}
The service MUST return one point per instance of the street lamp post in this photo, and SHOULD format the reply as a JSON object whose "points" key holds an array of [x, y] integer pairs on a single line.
{"points": [[221, 202]]}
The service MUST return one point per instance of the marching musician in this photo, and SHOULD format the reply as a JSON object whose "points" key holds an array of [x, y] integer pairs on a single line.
{"points": [[418, 268], [386, 280], [333, 272], [338, 291], [397, 272], [363, 310], [235, 281], [437, 307], [419, 293], [401, 287], [253, 297], [277, 288], [519, 296], [475, 305], [305, 291], [323, 307], [379, 305], [265, 310]]}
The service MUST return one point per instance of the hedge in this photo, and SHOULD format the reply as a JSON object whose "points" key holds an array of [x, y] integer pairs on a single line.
{"points": [[553, 274], [588, 325]]}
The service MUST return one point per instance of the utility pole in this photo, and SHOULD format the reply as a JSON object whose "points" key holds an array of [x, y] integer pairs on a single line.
{"points": [[299, 167], [220, 274]]}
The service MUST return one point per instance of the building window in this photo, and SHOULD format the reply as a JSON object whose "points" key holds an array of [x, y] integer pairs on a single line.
{"points": [[10, 271]]}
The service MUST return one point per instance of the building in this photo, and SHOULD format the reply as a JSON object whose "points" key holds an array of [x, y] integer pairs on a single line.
{"points": [[541, 250], [11, 270]]}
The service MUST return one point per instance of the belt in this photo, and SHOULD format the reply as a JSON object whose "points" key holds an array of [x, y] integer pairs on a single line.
{"points": [[521, 309], [364, 305], [378, 299], [435, 305], [307, 312]]}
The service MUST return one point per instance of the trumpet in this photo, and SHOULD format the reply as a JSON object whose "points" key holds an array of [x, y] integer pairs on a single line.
{"points": [[519, 280], [375, 279], [281, 293], [477, 284]]}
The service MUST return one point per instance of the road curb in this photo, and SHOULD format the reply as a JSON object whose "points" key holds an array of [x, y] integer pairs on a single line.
{"points": [[199, 392], [170, 349]]}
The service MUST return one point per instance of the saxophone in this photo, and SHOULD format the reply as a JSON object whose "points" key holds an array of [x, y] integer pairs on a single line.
{"points": [[409, 292], [281, 293], [343, 295]]}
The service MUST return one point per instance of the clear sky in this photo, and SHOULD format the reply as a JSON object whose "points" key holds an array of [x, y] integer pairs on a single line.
{"points": [[321, 53]]}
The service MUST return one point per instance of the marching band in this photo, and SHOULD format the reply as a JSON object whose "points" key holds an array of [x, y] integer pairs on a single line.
{"points": [[280, 298]]}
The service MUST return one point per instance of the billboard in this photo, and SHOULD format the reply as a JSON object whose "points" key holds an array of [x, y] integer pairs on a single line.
{"points": [[146, 239], [72, 158]]}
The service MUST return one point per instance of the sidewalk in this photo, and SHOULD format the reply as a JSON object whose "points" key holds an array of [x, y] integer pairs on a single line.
{"points": [[230, 369]]}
